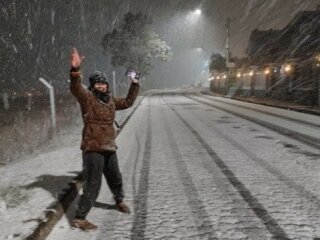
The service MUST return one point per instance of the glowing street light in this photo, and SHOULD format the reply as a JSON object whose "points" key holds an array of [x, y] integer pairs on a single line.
{"points": [[317, 60], [267, 71], [198, 49], [251, 73], [239, 75], [198, 12], [287, 68]]}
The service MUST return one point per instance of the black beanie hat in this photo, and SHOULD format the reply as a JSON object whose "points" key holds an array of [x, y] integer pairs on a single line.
{"points": [[97, 77]]}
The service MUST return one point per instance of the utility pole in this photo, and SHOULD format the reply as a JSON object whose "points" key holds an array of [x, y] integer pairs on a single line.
{"points": [[228, 43], [227, 53]]}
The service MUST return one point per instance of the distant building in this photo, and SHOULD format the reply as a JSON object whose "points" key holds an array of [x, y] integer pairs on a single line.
{"points": [[300, 39], [260, 43]]}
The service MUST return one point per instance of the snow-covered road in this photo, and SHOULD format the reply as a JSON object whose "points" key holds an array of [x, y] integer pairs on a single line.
{"points": [[31, 185], [194, 171]]}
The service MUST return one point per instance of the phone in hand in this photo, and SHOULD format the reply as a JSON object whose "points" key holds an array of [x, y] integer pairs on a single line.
{"points": [[133, 74]]}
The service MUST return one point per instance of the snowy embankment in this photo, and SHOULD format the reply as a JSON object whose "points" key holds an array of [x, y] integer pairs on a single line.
{"points": [[30, 186]]}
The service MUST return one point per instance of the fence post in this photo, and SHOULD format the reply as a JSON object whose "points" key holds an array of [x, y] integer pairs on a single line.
{"points": [[318, 83], [114, 82], [5, 100], [29, 101], [52, 103]]}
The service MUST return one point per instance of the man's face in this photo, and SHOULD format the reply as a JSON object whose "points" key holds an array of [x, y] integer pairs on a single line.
{"points": [[101, 87]]}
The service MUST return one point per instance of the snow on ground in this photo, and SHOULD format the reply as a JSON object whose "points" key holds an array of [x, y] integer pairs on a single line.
{"points": [[30, 185]]}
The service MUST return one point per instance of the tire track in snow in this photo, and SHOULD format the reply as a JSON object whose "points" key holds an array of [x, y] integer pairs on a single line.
{"points": [[302, 191], [201, 216], [303, 138], [271, 224], [140, 200]]}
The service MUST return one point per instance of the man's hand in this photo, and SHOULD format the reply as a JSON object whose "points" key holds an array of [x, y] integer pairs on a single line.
{"points": [[75, 58], [132, 77]]}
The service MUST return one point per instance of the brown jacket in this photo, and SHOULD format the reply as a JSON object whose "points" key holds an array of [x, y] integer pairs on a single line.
{"points": [[98, 117]]}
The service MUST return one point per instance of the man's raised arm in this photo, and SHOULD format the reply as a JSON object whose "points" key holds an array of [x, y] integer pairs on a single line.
{"points": [[76, 87]]}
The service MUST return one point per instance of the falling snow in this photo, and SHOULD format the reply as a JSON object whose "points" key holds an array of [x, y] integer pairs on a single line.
{"points": [[37, 36]]}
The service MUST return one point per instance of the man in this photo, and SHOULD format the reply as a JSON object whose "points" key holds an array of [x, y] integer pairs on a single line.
{"points": [[98, 139]]}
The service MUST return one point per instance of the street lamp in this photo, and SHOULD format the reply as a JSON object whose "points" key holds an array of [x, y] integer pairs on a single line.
{"points": [[287, 68], [198, 12], [267, 71], [318, 61]]}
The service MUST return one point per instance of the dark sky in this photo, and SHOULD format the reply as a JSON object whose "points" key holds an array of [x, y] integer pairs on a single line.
{"points": [[245, 15], [185, 34], [36, 35]]}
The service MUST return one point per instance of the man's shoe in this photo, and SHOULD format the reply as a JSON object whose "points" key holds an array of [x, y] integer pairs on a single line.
{"points": [[122, 207], [83, 224]]}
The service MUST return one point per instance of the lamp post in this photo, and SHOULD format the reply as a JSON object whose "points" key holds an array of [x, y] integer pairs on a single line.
{"points": [[186, 26]]}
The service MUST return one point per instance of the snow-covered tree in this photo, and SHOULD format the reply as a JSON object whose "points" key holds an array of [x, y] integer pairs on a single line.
{"points": [[217, 63], [134, 45]]}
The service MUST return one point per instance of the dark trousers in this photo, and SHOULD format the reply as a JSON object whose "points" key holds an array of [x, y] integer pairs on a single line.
{"points": [[94, 165]]}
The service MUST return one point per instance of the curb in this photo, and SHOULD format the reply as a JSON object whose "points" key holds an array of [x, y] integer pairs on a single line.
{"points": [[311, 141], [56, 210], [297, 109]]}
